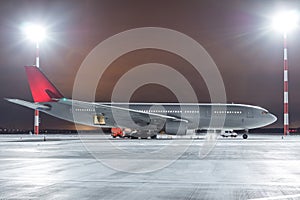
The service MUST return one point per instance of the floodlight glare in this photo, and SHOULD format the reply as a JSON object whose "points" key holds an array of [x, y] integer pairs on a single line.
{"points": [[36, 33], [285, 21]]}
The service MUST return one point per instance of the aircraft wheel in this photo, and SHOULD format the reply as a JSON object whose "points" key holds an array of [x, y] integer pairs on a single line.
{"points": [[154, 137], [245, 136]]}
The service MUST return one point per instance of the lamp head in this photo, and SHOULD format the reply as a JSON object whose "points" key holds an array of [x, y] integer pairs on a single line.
{"points": [[34, 32], [285, 21]]}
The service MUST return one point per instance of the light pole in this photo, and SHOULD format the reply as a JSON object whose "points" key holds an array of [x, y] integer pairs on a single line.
{"points": [[285, 22], [36, 34]]}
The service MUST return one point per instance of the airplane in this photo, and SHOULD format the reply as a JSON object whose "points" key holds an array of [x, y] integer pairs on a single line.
{"points": [[143, 119]]}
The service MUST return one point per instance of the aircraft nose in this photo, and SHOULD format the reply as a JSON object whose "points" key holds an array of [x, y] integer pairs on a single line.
{"points": [[273, 118]]}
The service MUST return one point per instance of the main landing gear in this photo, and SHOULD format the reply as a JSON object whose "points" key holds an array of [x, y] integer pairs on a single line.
{"points": [[245, 135]]}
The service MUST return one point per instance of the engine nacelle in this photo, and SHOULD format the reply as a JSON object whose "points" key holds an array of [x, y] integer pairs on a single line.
{"points": [[175, 128]]}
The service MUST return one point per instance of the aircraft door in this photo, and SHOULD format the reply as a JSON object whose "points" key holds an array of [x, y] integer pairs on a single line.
{"points": [[208, 112], [99, 120], [250, 113]]}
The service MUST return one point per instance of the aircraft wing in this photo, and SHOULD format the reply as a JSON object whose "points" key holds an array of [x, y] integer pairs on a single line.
{"points": [[107, 109]]}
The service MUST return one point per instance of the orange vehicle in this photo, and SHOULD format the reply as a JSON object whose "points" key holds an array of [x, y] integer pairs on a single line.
{"points": [[117, 132]]}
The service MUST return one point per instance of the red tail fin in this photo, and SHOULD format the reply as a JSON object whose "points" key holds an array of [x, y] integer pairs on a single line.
{"points": [[42, 89]]}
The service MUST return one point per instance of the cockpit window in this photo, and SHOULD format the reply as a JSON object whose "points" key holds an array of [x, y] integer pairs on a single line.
{"points": [[264, 112]]}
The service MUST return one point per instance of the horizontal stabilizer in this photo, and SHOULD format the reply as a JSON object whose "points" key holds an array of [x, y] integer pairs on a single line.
{"points": [[27, 104]]}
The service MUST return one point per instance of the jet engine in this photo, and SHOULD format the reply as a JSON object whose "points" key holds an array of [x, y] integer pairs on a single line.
{"points": [[175, 128]]}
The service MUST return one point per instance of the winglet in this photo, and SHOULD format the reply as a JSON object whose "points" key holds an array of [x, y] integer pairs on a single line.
{"points": [[42, 89]]}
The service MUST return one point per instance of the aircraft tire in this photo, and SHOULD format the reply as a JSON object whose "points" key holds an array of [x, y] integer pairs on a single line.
{"points": [[154, 137], [245, 136]]}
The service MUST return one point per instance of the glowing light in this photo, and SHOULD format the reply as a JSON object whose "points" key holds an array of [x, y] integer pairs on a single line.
{"points": [[285, 21], [34, 32]]}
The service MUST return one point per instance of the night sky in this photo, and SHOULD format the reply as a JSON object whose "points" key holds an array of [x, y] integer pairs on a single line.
{"points": [[235, 33]]}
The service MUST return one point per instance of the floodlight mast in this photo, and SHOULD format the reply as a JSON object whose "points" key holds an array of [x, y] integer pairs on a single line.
{"points": [[37, 55], [36, 34], [285, 22], [285, 88], [37, 112]]}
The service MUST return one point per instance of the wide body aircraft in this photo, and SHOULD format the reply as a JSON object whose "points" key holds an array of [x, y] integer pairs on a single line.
{"points": [[143, 119]]}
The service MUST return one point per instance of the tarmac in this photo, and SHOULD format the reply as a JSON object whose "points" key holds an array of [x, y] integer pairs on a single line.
{"points": [[81, 167]]}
